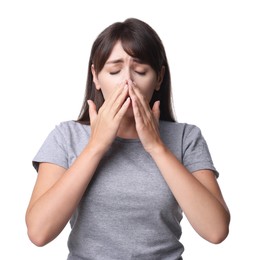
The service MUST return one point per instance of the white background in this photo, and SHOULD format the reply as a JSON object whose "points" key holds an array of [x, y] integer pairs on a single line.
{"points": [[44, 49]]}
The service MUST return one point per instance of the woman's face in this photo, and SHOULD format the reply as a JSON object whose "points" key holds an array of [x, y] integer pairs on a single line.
{"points": [[121, 67]]}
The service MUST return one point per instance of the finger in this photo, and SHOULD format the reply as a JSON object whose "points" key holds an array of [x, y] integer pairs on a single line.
{"points": [[137, 108], [135, 89], [142, 109], [117, 91], [123, 110], [116, 106], [142, 100], [156, 110], [92, 111]]}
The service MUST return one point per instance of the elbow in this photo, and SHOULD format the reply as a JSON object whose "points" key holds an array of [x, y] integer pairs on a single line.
{"points": [[41, 232], [36, 235], [37, 238], [219, 234], [218, 237]]}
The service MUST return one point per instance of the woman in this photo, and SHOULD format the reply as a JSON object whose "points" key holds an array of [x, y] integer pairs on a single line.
{"points": [[124, 172]]}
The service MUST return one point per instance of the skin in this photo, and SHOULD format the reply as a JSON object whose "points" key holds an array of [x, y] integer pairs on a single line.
{"points": [[127, 86]]}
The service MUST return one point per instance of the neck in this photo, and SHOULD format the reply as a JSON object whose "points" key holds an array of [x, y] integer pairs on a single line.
{"points": [[127, 129]]}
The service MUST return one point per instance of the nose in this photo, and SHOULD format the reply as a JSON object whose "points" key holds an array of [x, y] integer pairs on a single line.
{"points": [[128, 74]]}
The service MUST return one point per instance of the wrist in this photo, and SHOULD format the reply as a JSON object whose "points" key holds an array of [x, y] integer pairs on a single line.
{"points": [[95, 149], [157, 150]]}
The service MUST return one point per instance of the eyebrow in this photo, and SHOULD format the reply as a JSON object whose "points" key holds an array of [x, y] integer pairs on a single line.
{"points": [[121, 61], [114, 61]]}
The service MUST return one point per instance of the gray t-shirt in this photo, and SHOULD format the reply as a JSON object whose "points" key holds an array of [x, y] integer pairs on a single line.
{"points": [[128, 211]]}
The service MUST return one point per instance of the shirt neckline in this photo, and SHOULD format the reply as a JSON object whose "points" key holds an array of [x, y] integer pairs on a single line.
{"points": [[126, 140]]}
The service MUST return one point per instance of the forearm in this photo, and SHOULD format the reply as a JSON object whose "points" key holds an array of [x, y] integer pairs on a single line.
{"points": [[208, 216], [48, 215]]}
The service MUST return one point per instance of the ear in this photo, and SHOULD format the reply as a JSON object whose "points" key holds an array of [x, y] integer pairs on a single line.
{"points": [[95, 78], [160, 78]]}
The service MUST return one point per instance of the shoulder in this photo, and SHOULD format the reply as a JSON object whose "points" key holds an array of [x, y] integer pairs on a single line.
{"points": [[178, 129], [179, 136], [72, 129], [71, 126]]}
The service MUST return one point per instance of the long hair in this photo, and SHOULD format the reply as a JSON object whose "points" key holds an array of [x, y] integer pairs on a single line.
{"points": [[138, 40]]}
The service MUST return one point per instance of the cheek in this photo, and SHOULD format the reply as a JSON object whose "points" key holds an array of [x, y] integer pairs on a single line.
{"points": [[150, 95], [105, 92], [147, 89], [107, 85]]}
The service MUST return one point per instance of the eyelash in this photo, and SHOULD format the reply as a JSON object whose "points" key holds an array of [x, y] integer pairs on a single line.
{"points": [[140, 73], [116, 72]]}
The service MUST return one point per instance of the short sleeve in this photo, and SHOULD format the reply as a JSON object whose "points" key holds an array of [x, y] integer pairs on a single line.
{"points": [[196, 155], [53, 150]]}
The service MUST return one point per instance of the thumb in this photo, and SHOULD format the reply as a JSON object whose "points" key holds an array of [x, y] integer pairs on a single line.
{"points": [[92, 111], [156, 110]]}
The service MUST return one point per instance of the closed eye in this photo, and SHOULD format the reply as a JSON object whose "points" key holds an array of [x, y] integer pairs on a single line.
{"points": [[141, 73], [114, 72]]}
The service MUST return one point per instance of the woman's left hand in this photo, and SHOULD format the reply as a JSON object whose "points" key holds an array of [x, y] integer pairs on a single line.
{"points": [[146, 119]]}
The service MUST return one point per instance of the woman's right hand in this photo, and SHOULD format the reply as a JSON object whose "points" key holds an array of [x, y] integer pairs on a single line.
{"points": [[105, 123]]}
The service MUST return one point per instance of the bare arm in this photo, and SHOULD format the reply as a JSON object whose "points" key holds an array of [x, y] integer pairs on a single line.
{"points": [[58, 191], [56, 194], [198, 194]]}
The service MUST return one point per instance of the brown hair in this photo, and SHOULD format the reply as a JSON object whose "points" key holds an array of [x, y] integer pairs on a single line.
{"points": [[139, 40]]}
